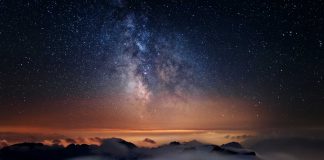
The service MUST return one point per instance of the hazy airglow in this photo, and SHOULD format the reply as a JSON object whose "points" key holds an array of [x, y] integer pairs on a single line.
{"points": [[135, 136]]}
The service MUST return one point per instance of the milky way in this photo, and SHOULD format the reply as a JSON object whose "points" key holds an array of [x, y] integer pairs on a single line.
{"points": [[143, 64], [148, 64]]}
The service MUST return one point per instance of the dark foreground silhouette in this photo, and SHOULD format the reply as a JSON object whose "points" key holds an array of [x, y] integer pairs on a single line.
{"points": [[118, 149]]}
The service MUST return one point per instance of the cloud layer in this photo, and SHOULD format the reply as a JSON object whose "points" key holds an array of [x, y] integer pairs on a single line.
{"points": [[119, 149]]}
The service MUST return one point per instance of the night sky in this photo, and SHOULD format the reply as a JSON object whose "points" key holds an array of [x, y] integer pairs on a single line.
{"points": [[162, 65]]}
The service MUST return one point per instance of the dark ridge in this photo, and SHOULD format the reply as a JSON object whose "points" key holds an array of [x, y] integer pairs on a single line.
{"points": [[127, 144], [233, 148], [174, 143], [232, 145]]}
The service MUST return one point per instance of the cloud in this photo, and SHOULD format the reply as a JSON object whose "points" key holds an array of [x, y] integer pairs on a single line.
{"points": [[13, 137], [195, 150], [196, 156], [78, 140], [70, 140], [238, 137], [116, 147], [56, 141], [148, 140], [119, 149], [3, 143], [287, 148]]}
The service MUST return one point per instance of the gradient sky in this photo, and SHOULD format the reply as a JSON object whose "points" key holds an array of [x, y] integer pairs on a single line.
{"points": [[161, 65]]}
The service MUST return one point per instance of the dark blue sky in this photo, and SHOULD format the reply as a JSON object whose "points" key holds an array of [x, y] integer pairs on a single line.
{"points": [[266, 53]]}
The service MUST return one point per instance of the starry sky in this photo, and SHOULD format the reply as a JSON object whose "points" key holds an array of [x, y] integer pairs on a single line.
{"points": [[171, 64]]}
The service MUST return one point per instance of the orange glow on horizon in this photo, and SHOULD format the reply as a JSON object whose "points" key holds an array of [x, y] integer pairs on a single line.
{"points": [[137, 136]]}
